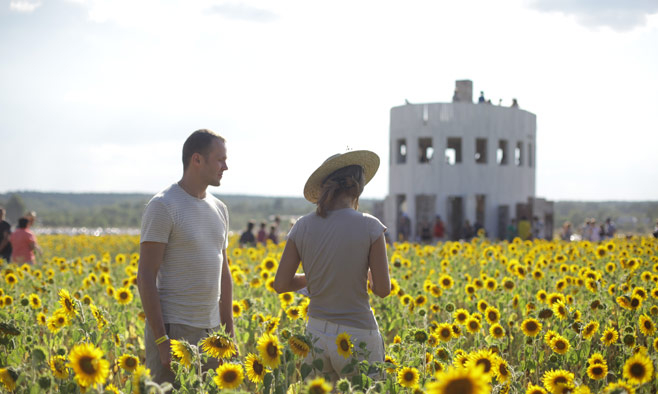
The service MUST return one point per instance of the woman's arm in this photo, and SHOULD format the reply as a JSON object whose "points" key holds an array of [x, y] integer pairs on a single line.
{"points": [[286, 278], [380, 282]]}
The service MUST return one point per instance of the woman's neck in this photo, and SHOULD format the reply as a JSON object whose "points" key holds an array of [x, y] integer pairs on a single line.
{"points": [[342, 202]]}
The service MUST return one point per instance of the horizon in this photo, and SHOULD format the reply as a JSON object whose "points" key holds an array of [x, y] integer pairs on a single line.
{"points": [[9, 193]]}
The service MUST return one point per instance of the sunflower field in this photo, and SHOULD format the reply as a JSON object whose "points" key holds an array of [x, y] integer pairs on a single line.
{"points": [[462, 318]]}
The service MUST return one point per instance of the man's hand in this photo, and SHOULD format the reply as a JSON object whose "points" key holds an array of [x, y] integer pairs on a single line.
{"points": [[165, 354]]}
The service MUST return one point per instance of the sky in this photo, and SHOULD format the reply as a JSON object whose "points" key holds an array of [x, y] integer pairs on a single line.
{"points": [[99, 95]]}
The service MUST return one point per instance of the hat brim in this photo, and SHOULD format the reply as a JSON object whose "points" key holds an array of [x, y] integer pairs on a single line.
{"points": [[366, 159]]}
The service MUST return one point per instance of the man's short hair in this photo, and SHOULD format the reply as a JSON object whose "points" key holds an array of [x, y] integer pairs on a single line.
{"points": [[199, 142], [22, 223]]}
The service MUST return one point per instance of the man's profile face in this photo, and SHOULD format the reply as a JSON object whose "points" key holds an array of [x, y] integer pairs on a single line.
{"points": [[213, 164]]}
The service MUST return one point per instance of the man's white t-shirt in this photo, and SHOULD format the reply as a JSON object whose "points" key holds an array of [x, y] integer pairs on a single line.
{"points": [[196, 233]]}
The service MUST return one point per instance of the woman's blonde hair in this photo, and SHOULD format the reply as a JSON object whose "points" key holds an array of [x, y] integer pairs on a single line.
{"points": [[347, 180]]}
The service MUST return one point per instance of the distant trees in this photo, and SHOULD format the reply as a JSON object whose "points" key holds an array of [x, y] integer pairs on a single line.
{"points": [[15, 208]]}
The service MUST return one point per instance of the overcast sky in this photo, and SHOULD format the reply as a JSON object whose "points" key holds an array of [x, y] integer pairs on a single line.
{"points": [[99, 95]]}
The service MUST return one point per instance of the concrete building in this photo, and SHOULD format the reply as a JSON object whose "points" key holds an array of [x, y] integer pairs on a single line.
{"points": [[463, 162]]}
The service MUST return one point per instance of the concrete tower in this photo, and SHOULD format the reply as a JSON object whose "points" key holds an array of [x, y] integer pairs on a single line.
{"points": [[462, 161]]}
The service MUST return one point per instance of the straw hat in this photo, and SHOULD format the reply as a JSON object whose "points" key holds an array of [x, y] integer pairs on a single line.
{"points": [[364, 158]]}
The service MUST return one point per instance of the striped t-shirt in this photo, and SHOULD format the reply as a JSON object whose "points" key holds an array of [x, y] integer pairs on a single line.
{"points": [[196, 232]]}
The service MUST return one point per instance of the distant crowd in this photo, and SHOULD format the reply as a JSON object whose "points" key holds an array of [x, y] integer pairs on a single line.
{"points": [[19, 245], [265, 232]]}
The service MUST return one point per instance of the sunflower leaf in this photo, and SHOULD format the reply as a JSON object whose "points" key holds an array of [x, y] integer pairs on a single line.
{"points": [[318, 364], [305, 370]]}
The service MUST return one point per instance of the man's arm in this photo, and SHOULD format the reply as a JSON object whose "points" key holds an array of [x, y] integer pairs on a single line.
{"points": [[151, 255], [286, 278], [226, 298]]}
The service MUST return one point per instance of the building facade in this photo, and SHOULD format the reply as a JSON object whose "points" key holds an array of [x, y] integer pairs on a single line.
{"points": [[471, 164]]}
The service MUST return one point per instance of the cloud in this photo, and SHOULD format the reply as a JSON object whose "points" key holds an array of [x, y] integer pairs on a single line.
{"points": [[241, 11], [23, 5], [619, 15]]}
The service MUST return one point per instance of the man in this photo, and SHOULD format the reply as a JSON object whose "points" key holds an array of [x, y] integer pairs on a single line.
{"points": [[23, 243], [247, 238], [5, 232], [183, 245]]}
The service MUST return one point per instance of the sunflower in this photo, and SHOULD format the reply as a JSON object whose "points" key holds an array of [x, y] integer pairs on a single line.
{"points": [[473, 325], [492, 315], [124, 296], [299, 345], [229, 376], [35, 301], [270, 350], [140, 375], [534, 389], [560, 309], [293, 313], [619, 387], [647, 326], [59, 368], [237, 309], [255, 368], [497, 331], [446, 281], [344, 345], [271, 324], [11, 279], [590, 329], [610, 336], [8, 377], [483, 359], [318, 386], [596, 358], [531, 327], [461, 315], [501, 370], [219, 345], [42, 320], [286, 299], [555, 379], [459, 380], [597, 371], [408, 377], [560, 344], [128, 362], [57, 321], [88, 363], [638, 369], [183, 352], [67, 303]]}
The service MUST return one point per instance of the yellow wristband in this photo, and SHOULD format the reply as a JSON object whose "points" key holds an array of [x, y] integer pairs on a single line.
{"points": [[161, 339]]}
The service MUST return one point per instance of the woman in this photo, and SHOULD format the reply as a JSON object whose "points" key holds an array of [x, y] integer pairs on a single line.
{"points": [[341, 249]]}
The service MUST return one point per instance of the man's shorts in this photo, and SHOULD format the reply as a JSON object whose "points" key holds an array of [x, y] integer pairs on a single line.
{"points": [[191, 334]]}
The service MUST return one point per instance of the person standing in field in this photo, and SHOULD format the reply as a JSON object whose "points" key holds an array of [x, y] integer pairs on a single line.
{"points": [[247, 237], [5, 232], [340, 250], [262, 234], [183, 276], [23, 243]]}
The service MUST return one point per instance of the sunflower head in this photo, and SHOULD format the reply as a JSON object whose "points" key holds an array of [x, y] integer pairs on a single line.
{"points": [[88, 363], [408, 377], [270, 350], [255, 368], [128, 362], [299, 345], [638, 369], [219, 345], [318, 386], [183, 351], [344, 345], [229, 376]]}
